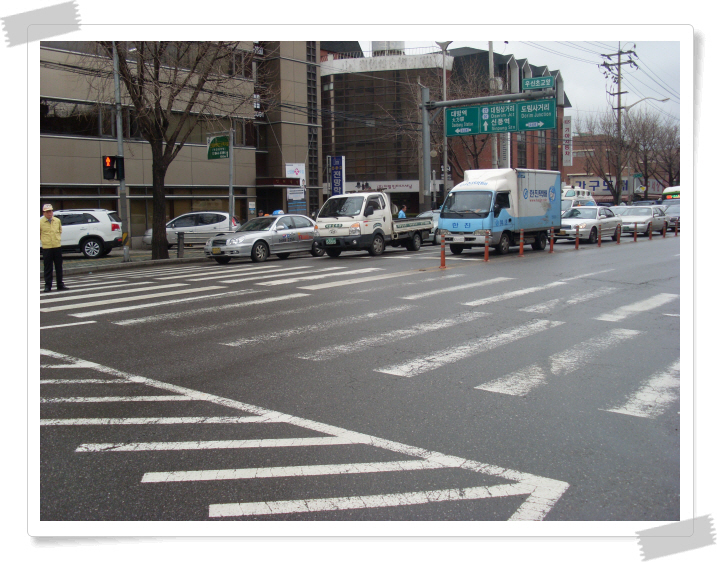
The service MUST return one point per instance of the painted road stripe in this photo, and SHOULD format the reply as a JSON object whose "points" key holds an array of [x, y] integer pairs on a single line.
{"points": [[260, 277], [80, 399], [474, 347], [591, 274], [581, 298], [84, 288], [344, 348], [251, 276], [523, 381], [366, 502], [126, 299], [321, 276], [153, 421], [513, 294], [85, 381], [359, 280], [207, 445], [546, 306], [457, 288], [329, 324], [70, 324], [203, 273], [653, 398], [87, 285], [159, 303], [110, 293], [287, 471], [543, 492], [636, 307]]}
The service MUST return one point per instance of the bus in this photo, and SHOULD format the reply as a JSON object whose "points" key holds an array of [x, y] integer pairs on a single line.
{"points": [[671, 195]]}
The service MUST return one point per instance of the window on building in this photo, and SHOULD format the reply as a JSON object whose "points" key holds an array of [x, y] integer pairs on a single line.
{"points": [[522, 150]]}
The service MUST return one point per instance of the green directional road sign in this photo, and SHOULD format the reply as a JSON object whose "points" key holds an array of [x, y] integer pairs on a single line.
{"points": [[537, 115], [218, 147], [539, 82], [498, 118], [462, 121]]}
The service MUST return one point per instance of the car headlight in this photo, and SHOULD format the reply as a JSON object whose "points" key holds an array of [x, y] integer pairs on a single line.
{"points": [[582, 225], [235, 241], [355, 229]]}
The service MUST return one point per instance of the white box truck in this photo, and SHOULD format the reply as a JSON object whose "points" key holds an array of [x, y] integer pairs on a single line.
{"points": [[363, 221], [501, 201]]}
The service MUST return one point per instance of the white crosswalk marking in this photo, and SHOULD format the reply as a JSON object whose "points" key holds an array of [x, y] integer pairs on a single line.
{"points": [[513, 294], [356, 280], [449, 289], [636, 307], [73, 297], [259, 277], [320, 276], [216, 274], [653, 398], [523, 381]]}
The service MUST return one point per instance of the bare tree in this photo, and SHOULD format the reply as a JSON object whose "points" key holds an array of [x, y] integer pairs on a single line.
{"points": [[175, 87], [643, 133], [667, 154]]}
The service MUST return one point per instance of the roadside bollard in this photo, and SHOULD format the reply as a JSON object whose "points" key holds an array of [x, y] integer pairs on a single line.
{"points": [[634, 236], [552, 239], [443, 252], [664, 230], [521, 244], [619, 233], [599, 235], [487, 237], [649, 236], [677, 227], [180, 244], [577, 237]]}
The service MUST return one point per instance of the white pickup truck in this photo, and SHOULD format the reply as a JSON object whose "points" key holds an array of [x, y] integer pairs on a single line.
{"points": [[363, 221]]}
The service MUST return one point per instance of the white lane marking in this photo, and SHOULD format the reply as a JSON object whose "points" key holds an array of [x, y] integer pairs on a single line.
{"points": [[364, 502], [544, 492], [70, 324], [207, 445], [636, 307], [473, 347], [581, 298], [422, 281], [84, 288], [666, 314], [321, 276], [259, 277], [457, 288], [512, 294], [174, 301], [143, 273], [523, 381], [126, 299], [92, 285], [151, 421], [199, 275], [329, 324], [653, 397], [287, 471], [341, 349], [583, 275], [110, 293], [84, 381], [546, 306], [359, 280], [88, 399]]}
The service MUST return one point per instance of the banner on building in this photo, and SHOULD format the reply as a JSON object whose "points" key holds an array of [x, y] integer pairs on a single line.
{"points": [[567, 141], [338, 174], [296, 196]]}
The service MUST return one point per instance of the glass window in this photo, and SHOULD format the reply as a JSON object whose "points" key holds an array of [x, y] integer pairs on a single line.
{"points": [[89, 219], [70, 219], [183, 222], [302, 222], [609, 213], [286, 223], [502, 200], [69, 118]]}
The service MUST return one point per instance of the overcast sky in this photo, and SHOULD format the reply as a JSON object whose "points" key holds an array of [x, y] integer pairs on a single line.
{"points": [[658, 75]]}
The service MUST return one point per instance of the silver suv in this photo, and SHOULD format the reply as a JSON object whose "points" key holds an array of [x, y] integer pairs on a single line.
{"points": [[198, 227], [94, 232]]}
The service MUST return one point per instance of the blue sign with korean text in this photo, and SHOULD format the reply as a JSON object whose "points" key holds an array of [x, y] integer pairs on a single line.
{"points": [[337, 175]]}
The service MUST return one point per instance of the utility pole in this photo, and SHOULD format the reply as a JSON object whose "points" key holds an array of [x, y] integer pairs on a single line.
{"points": [[618, 80], [491, 85], [124, 208]]}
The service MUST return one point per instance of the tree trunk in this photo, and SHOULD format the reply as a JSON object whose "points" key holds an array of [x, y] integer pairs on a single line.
{"points": [[159, 212]]}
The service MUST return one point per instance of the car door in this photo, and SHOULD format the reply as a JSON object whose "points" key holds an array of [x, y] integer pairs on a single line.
{"points": [[72, 228], [304, 233], [208, 225], [378, 218], [183, 223], [611, 222], [284, 238], [658, 219]]}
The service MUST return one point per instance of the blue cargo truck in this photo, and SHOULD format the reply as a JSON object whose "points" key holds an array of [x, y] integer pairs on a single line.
{"points": [[502, 201]]}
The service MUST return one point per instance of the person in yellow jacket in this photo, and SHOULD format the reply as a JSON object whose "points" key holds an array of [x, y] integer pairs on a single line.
{"points": [[50, 238]]}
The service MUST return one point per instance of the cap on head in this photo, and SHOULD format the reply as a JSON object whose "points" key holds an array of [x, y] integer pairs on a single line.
{"points": [[47, 207]]}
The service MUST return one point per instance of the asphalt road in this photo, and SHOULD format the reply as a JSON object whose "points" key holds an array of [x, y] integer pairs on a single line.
{"points": [[542, 387]]}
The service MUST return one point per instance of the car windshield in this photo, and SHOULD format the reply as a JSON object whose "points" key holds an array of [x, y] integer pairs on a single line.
{"points": [[259, 223], [342, 207], [460, 203], [581, 213], [637, 212], [621, 210]]}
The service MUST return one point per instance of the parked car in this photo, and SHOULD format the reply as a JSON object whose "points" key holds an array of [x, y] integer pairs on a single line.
{"points": [[432, 236], [94, 232], [263, 236], [589, 220], [643, 219], [198, 227], [645, 203], [673, 215]]}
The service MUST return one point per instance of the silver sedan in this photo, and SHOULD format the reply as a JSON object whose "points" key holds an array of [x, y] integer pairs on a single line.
{"points": [[589, 220], [263, 236], [642, 218]]}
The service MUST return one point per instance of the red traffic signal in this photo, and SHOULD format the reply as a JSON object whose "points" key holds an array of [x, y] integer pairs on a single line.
{"points": [[113, 168]]}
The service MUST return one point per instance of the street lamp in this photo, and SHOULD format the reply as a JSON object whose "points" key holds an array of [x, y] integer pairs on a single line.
{"points": [[444, 46]]}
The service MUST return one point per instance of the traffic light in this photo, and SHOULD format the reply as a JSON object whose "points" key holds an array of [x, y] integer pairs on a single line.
{"points": [[113, 167]]}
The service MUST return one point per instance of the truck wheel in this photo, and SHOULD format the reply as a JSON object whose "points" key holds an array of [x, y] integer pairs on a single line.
{"points": [[377, 246], [593, 236], [333, 253], [504, 244], [259, 252], [540, 242], [222, 259], [455, 249], [415, 244]]}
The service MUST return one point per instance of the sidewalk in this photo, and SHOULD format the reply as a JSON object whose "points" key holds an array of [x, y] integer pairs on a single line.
{"points": [[76, 263]]}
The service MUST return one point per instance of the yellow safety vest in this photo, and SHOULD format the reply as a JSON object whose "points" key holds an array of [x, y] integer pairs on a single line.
{"points": [[50, 233]]}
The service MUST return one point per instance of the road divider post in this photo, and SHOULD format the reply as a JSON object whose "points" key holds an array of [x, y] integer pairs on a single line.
{"points": [[443, 252]]}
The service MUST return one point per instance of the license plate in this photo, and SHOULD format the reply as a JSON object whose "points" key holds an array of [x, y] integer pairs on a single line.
{"points": [[216, 250], [562, 233], [331, 240], [459, 239]]}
